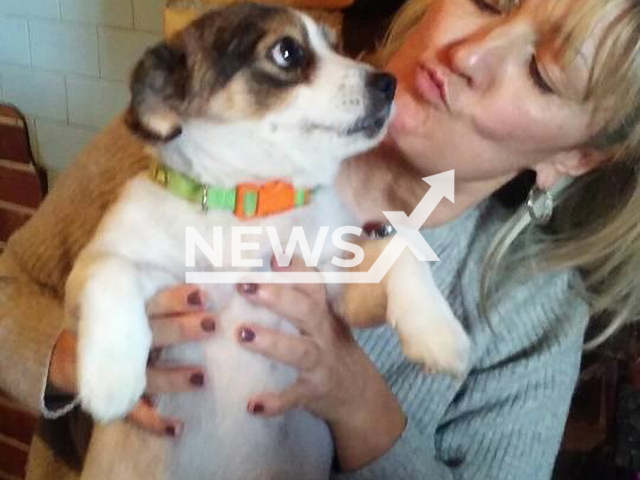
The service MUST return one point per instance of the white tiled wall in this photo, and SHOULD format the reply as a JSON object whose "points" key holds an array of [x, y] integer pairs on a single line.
{"points": [[65, 64], [119, 49], [37, 93]]}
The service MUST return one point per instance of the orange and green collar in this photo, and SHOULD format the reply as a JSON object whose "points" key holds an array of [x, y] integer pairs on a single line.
{"points": [[245, 200]]}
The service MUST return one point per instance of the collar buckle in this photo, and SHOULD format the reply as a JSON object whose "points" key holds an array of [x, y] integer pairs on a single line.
{"points": [[160, 175]]}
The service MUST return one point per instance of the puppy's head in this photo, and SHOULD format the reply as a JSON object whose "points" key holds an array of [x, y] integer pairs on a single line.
{"points": [[270, 68]]}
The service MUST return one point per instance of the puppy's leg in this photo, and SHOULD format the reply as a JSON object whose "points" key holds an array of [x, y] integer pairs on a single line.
{"points": [[428, 330], [121, 451], [410, 301], [106, 295]]}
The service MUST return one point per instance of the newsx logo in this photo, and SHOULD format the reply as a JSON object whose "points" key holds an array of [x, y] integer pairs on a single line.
{"points": [[408, 236], [283, 256]]}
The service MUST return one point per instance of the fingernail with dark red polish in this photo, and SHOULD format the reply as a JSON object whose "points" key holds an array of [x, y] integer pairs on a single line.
{"points": [[195, 299], [171, 431], [208, 324], [255, 408], [246, 335], [197, 379], [248, 288]]}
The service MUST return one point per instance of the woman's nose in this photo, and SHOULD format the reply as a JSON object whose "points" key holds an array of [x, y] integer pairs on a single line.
{"points": [[483, 57]]}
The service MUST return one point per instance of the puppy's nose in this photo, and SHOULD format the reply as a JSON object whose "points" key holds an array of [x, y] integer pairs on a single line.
{"points": [[384, 83]]}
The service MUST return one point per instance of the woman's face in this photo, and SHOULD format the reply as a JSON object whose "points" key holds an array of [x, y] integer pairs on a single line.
{"points": [[485, 93]]}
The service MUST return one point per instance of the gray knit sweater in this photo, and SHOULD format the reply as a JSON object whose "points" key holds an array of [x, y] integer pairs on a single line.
{"points": [[504, 421]]}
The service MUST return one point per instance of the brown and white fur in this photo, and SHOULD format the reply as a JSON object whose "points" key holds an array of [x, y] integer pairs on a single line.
{"points": [[222, 107]]}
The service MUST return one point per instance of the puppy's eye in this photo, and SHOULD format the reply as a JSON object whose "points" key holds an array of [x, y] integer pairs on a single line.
{"points": [[287, 53]]}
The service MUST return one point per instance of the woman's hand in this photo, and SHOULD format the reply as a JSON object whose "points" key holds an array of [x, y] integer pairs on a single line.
{"points": [[336, 380], [176, 315]]}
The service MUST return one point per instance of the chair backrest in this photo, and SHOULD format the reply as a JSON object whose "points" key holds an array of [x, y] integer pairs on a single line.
{"points": [[23, 184], [179, 13]]}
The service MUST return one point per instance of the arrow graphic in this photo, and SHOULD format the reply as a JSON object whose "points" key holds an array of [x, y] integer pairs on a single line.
{"points": [[407, 236]]}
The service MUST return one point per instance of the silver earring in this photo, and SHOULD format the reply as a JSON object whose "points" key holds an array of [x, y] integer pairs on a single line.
{"points": [[540, 206]]}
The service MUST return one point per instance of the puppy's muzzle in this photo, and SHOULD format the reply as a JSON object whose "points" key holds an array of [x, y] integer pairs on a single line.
{"points": [[380, 91]]}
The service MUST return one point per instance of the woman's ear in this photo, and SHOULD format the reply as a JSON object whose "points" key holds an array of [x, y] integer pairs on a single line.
{"points": [[568, 164], [158, 93]]}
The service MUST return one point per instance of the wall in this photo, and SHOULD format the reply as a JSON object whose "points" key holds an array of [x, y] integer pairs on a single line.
{"points": [[65, 64]]}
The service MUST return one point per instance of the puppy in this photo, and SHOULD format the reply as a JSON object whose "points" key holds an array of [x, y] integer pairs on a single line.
{"points": [[245, 94]]}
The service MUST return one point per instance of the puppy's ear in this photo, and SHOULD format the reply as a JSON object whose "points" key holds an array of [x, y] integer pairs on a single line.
{"points": [[159, 85], [331, 36]]}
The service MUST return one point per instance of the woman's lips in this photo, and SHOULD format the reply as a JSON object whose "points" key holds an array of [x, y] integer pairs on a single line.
{"points": [[431, 86]]}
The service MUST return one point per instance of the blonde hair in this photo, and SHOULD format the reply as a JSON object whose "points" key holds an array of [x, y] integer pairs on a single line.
{"points": [[596, 226]]}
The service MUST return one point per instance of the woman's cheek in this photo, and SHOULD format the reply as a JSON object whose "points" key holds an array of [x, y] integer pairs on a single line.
{"points": [[520, 121], [502, 125]]}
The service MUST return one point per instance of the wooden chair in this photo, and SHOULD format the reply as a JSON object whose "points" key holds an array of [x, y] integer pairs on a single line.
{"points": [[178, 13], [23, 185]]}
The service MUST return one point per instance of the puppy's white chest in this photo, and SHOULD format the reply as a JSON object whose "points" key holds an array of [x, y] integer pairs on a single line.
{"points": [[148, 227]]}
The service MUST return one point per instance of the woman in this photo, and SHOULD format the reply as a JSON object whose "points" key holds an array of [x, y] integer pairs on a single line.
{"points": [[492, 89]]}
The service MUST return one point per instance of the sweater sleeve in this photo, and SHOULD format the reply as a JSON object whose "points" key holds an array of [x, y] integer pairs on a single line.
{"points": [[507, 418], [39, 257], [412, 457], [30, 322]]}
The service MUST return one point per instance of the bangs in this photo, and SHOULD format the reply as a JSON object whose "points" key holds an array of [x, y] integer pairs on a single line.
{"points": [[613, 87], [615, 79]]}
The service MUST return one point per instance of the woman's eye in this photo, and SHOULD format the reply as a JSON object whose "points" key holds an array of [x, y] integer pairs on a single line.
{"points": [[487, 6], [536, 76], [287, 53]]}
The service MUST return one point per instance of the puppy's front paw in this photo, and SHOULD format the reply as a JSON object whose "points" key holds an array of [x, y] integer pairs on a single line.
{"points": [[112, 372], [441, 344], [109, 391]]}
